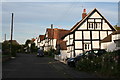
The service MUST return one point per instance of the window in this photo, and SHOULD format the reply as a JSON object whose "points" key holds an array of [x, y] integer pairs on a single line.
{"points": [[87, 45], [94, 23], [97, 25], [90, 25]]}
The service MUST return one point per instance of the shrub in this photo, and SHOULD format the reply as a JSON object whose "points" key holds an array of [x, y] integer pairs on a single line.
{"points": [[50, 52], [107, 64], [6, 48], [45, 53]]}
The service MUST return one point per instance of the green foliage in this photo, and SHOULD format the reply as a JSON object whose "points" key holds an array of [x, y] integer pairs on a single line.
{"points": [[27, 42], [6, 48], [21, 50], [33, 48], [45, 52], [116, 27], [50, 52], [107, 64]]}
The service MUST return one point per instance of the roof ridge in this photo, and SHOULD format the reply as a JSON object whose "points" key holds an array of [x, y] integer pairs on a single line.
{"points": [[82, 20]]}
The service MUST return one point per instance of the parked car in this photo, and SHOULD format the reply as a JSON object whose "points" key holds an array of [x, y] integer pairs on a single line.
{"points": [[90, 54], [95, 52], [72, 61], [40, 53]]}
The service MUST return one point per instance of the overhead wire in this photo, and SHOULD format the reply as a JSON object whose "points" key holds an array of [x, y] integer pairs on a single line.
{"points": [[67, 13]]}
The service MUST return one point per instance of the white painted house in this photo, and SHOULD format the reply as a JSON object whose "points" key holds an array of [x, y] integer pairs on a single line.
{"points": [[111, 42], [41, 42], [36, 41], [52, 36], [87, 33]]}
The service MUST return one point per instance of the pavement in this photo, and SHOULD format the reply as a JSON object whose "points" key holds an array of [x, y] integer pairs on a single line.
{"points": [[30, 66]]}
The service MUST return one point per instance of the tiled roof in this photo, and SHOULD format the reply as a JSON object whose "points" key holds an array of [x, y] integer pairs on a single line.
{"points": [[33, 39], [116, 32], [56, 33], [117, 28], [109, 37], [62, 44], [42, 37]]}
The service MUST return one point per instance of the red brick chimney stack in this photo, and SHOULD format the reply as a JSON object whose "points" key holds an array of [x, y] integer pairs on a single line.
{"points": [[84, 14]]}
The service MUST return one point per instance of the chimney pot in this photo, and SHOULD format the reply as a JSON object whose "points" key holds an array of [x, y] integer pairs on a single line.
{"points": [[51, 26], [84, 11], [84, 14]]}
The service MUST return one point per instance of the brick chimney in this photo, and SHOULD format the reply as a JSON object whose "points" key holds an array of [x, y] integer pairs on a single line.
{"points": [[84, 14]]}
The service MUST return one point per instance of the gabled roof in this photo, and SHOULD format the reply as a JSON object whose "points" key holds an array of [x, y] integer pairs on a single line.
{"points": [[33, 39], [41, 37], [109, 37], [89, 14], [76, 26], [56, 33], [62, 44]]}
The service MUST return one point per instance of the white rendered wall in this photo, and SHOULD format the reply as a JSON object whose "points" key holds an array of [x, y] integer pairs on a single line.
{"points": [[35, 42], [77, 52], [78, 34], [95, 44], [106, 26], [95, 34], [103, 34], [83, 26], [95, 15], [109, 46], [116, 37], [54, 43], [63, 54], [104, 46], [109, 32], [71, 35], [86, 34], [78, 44]]}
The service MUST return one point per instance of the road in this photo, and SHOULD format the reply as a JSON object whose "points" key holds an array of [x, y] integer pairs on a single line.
{"points": [[30, 66]]}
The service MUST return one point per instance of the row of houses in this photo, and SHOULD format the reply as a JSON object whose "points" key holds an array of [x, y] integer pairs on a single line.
{"points": [[92, 32]]}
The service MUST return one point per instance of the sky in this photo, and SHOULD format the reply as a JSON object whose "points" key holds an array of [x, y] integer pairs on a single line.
{"points": [[32, 18], [60, 0]]}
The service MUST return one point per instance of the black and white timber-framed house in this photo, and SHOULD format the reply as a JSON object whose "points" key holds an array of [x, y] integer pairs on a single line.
{"points": [[87, 33]]}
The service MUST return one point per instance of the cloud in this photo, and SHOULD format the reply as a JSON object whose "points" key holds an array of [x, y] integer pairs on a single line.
{"points": [[61, 1], [32, 18]]}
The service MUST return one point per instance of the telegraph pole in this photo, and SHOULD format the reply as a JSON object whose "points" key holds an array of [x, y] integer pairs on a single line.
{"points": [[5, 37], [11, 34], [52, 34]]}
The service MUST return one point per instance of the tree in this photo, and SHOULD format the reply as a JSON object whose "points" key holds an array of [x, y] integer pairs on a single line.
{"points": [[116, 27], [27, 42], [6, 48], [32, 48]]}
